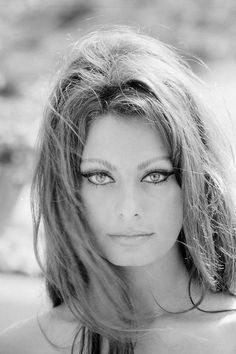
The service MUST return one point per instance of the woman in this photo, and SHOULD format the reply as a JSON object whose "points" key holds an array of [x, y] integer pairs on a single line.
{"points": [[134, 189]]}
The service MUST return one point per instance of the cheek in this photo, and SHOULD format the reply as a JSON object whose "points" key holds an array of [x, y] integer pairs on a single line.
{"points": [[167, 211], [96, 206]]}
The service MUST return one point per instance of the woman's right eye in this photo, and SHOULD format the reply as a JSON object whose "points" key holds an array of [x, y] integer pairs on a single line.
{"points": [[98, 178]]}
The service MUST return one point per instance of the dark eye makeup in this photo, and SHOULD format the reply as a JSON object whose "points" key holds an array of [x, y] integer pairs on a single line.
{"points": [[101, 177]]}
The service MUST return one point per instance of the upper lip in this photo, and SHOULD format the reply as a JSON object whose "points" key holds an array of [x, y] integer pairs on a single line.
{"points": [[132, 234]]}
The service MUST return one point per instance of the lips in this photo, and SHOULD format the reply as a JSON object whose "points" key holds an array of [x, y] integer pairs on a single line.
{"points": [[132, 234], [131, 240]]}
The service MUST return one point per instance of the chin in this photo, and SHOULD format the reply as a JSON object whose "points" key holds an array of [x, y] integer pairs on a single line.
{"points": [[124, 262]]}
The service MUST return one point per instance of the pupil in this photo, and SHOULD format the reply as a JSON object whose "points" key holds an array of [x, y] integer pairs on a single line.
{"points": [[155, 176], [100, 177]]}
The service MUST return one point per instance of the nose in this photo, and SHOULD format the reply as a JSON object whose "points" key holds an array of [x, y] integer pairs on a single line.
{"points": [[128, 205]]}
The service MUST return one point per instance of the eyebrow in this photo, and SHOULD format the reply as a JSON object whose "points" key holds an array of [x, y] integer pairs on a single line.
{"points": [[140, 166]]}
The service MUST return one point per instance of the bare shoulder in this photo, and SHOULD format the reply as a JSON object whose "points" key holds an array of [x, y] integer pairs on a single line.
{"points": [[227, 320], [228, 325], [52, 332], [19, 338]]}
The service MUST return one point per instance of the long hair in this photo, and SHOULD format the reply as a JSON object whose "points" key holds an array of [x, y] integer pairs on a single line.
{"points": [[126, 73]]}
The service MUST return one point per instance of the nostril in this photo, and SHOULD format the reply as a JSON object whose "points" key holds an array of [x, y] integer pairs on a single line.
{"points": [[126, 215], [128, 203]]}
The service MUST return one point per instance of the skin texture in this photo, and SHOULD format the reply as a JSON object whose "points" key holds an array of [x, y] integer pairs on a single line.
{"points": [[128, 194], [127, 200]]}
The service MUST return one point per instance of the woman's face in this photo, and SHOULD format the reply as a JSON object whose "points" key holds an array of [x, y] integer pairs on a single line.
{"points": [[134, 207]]}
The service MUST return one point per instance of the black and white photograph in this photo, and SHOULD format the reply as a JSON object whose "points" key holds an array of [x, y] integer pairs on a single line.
{"points": [[117, 177]]}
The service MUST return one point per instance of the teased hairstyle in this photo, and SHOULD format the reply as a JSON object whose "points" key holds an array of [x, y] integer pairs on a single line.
{"points": [[126, 73]]}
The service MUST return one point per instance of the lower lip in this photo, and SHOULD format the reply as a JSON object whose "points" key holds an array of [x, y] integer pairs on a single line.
{"points": [[131, 240]]}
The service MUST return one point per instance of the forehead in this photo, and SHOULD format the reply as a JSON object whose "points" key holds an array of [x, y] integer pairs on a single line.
{"points": [[123, 139]]}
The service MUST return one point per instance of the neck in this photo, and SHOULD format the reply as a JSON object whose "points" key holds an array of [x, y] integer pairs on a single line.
{"points": [[166, 281]]}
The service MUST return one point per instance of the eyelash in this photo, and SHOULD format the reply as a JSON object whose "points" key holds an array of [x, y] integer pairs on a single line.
{"points": [[89, 174]]}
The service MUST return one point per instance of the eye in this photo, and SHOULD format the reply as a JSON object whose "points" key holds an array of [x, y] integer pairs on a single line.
{"points": [[98, 178], [157, 176]]}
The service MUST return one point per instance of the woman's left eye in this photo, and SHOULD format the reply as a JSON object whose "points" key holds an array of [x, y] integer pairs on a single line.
{"points": [[157, 176]]}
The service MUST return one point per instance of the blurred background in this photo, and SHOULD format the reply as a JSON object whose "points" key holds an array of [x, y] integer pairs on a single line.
{"points": [[34, 36]]}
